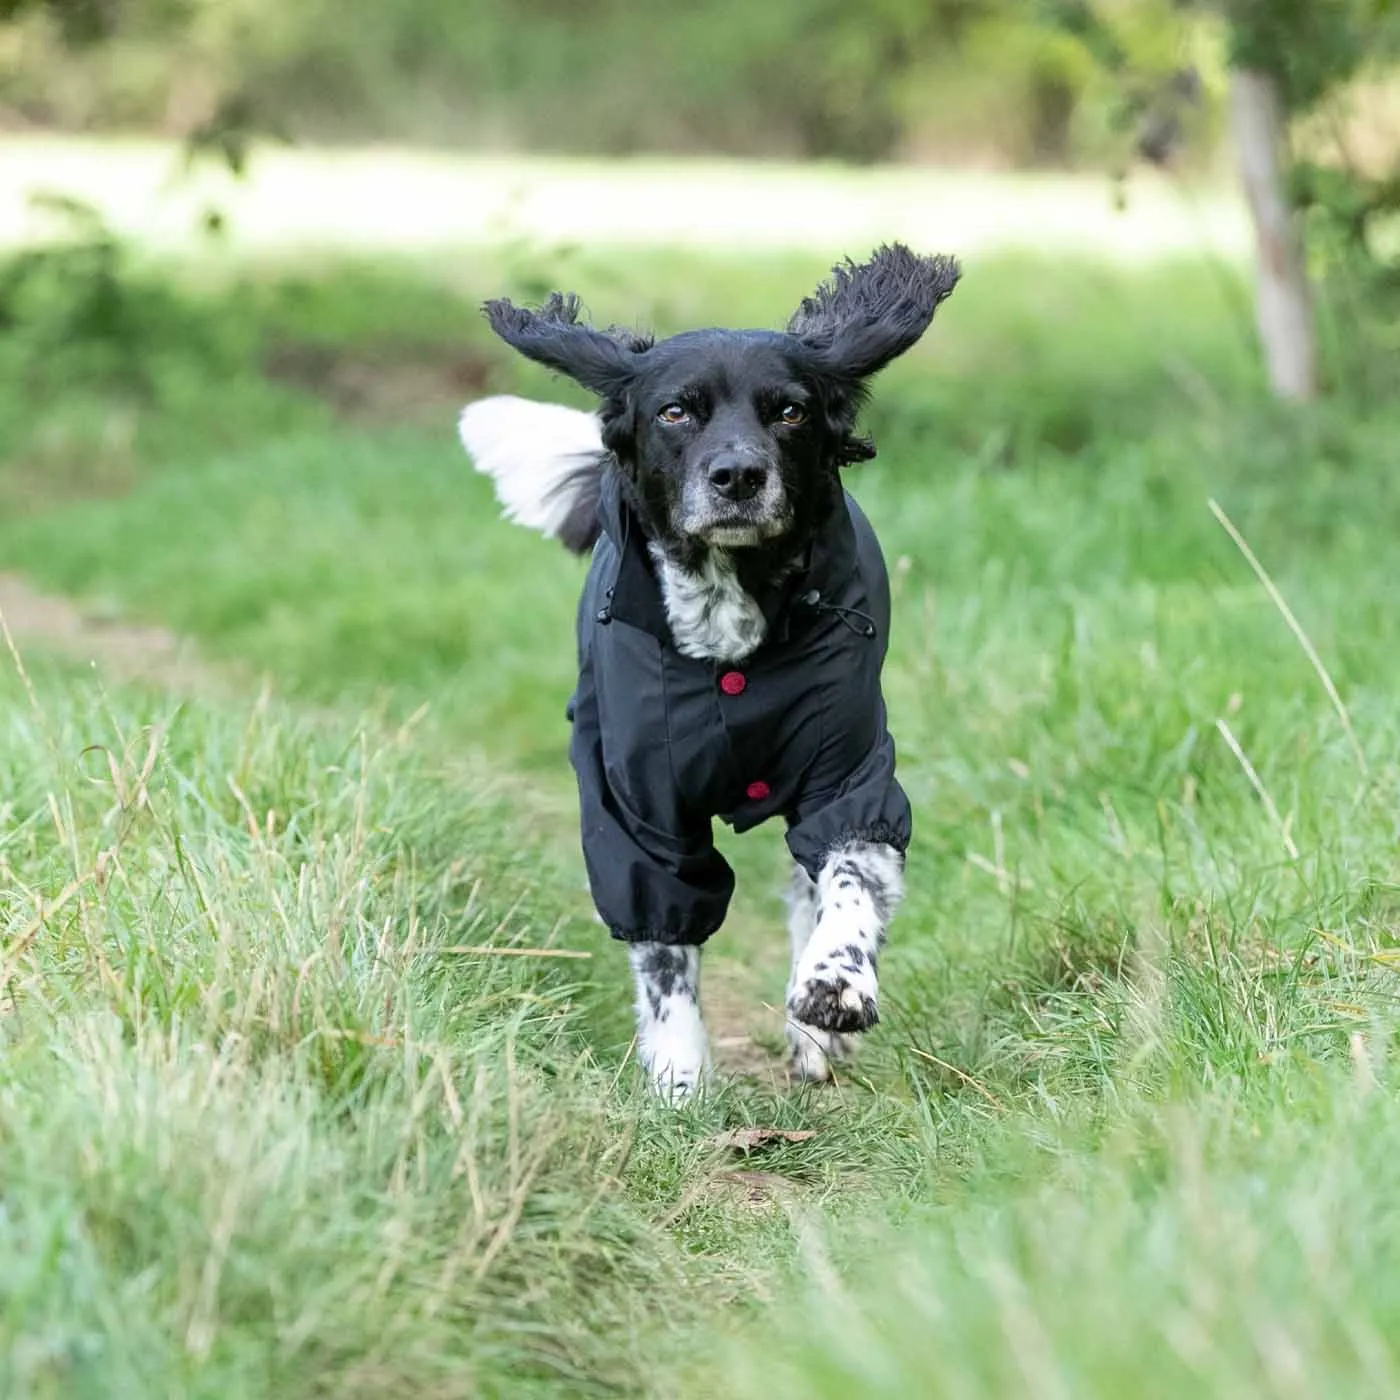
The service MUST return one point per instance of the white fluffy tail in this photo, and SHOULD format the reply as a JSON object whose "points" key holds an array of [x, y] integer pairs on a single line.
{"points": [[546, 461]]}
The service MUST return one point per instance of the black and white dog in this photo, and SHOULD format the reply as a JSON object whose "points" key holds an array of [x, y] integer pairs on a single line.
{"points": [[731, 632]]}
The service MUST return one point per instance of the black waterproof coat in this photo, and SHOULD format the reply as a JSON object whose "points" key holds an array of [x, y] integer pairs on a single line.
{"points": [[663, 743]]}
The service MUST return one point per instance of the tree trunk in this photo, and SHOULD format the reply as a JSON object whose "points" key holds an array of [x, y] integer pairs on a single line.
{"points": [[1283, 306]]}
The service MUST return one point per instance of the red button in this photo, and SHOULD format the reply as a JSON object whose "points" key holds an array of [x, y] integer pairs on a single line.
{"points": [[732, 682], [756, 792]]}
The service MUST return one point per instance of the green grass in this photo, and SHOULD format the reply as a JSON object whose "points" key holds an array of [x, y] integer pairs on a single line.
{"points": [[1129, 1124]]}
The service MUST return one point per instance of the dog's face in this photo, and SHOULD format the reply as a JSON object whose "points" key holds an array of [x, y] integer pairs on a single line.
{"points": [[734, 438], [718, 436]]}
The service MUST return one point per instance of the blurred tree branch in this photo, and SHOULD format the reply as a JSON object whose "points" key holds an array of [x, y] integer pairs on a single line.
{"points": [[1285, 58], [1283, 297]]}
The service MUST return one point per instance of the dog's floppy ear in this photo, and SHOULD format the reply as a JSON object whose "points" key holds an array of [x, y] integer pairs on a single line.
{"points": [[599, 360], [866, 315]]}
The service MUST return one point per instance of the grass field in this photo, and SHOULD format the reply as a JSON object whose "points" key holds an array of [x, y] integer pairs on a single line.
{"points": [[299, 1093], [392, 200]]}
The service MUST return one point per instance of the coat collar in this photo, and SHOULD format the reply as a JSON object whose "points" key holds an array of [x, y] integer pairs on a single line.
{"points": [[634, 596]]}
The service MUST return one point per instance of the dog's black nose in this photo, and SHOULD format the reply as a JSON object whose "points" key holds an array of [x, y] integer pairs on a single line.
{"points": [[736, 480]]}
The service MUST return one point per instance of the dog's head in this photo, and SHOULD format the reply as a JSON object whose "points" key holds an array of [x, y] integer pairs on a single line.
{"points": [[735, 438]]}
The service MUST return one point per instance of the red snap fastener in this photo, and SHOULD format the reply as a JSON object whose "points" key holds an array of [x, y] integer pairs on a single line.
{"points": [[732, 682], [756, 792]]}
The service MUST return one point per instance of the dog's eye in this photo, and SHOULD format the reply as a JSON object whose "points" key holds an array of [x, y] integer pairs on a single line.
{"points": [[793, 414], [673, 413]]}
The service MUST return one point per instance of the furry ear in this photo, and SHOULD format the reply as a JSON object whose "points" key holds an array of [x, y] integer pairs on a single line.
{"points": [[866, 315], [554, 336]]}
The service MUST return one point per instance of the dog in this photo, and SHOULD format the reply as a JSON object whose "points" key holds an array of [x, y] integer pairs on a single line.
{"points": [[731, 633]]}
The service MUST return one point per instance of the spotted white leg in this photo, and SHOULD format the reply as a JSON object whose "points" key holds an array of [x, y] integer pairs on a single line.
{"points": [[671, 1039], [834, 986], [812, 1052]]}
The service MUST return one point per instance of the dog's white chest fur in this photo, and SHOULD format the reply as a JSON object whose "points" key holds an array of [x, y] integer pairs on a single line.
{"points": [[712, 618]]}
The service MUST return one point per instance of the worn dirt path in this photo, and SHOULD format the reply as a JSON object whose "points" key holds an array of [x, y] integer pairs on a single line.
{"points": [[123, 651]]}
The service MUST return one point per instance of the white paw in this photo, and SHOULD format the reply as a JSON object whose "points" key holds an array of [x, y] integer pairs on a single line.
{"points": [[674, 1084], [676, 1053], [812, 1053], [835, 989], [671, 1039]]}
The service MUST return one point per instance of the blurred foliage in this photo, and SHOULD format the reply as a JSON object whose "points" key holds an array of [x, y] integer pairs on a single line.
{"points": [[1050, 81], [1044, 82], [1314, 50], [77, 309], [1310, 46], [991, 78]]}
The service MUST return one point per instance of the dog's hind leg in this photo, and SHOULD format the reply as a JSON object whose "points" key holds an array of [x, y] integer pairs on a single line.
{"points": [[834, 985], [671, 1039], [811, 1051]]}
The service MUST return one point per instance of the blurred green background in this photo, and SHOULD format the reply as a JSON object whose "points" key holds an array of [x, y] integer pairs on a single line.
{"points": [[315, 1070], [1000, 82]]}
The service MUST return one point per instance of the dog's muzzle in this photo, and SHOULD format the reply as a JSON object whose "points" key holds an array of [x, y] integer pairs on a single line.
{"points": [[737, 478], [735, 498]]}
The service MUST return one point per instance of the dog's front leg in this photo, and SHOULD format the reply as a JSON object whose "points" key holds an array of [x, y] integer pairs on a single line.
{"points": [[811, 1052], [671, 1040], [834, 989]]}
